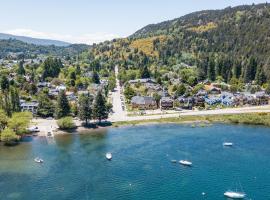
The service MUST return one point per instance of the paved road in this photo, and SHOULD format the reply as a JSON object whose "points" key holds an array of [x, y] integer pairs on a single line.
{"points": [[256, 109], [118, 113]]}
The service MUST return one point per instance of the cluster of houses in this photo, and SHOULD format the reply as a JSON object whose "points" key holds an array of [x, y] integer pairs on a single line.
{"points": [[54, 90], [208, 96]]}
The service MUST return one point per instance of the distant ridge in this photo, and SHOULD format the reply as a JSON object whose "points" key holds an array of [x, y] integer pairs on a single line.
{"points": [[36, 41]]}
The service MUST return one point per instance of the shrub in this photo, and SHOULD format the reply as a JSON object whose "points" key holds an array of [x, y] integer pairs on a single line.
{"points": [[66, 123], [8, 136]]}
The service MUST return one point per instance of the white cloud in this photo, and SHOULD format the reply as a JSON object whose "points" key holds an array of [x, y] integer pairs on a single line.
{"points": [[88, 38]]}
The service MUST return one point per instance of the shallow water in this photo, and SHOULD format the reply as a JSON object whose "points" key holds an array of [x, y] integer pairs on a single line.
{"points": [[75, 167]]}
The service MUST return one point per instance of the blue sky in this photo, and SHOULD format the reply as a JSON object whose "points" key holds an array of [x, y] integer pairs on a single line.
{"points": [[91, 21]]}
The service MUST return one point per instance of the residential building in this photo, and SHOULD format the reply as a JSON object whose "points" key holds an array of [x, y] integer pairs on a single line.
{"points": [[144, 103], [30, 106], [166, 103]]}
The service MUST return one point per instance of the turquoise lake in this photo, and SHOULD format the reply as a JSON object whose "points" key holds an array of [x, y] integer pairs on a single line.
{"points": [[75, 167]]}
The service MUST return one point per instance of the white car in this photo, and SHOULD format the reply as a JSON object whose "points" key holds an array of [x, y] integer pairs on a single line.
{"points": [[33, 129]]}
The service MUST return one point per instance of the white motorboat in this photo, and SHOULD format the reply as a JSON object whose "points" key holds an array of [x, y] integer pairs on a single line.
{"points": [[38, 160], [185, 162], [227, 144], [109, 156], [234, 195]]}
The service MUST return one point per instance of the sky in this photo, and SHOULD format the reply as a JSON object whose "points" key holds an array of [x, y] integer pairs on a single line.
{"points": [[93, 21]]}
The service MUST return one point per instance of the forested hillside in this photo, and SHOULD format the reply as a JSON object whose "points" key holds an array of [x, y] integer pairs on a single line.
{"points": [[224, 44], [29, 50]]}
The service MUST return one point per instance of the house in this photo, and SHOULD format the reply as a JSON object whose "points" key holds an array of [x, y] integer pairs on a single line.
{"points": [[142, 81], [166, 103], [186, 103], [152, 87], [53, 92], [61, 87], [30, 106], [228, 99], [43, 84], [214, 90], [71, 96], [262, 98], [199, 101], [201, 93], [144, 103]]}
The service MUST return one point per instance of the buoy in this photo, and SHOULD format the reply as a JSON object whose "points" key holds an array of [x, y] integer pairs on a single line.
{"points": [[203, 193]]}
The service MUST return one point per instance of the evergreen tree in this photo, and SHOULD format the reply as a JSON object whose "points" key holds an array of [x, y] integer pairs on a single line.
{"points": [[62, 107], [4, 83], [51, 68], [260, 76], [211, 72], [145, 72], [100, 111], [250, 70], [85, 109], [21, 70], [15, 100], [45, 105], [95, 78]]}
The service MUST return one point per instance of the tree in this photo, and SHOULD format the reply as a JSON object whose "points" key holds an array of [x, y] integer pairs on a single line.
{"points": [[145, 72], [8, 136], [100, 111], [260, 76], [21, 70], [15, 100], [85, 109], [51, 68], [66, 123], [45, 105], [181, 89], [62, 107], [4, 83], [111, 83], [250, 70], [211, 72], [3, 120], [19, 122], [129, 92], [95, 78], [267, 89], [157, 98]]}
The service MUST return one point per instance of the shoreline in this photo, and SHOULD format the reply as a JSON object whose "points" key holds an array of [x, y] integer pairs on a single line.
{"points": [[256, 118]]}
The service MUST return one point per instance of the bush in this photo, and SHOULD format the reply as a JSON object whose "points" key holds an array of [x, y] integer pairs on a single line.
{"points": [[66, 123], [8, 136]]}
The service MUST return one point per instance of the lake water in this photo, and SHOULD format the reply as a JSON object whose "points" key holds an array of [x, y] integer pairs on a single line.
{"points": [[75, 167]]}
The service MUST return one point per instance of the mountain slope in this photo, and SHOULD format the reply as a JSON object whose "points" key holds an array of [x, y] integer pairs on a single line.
{"points": [[36, 41], [229, 43]]}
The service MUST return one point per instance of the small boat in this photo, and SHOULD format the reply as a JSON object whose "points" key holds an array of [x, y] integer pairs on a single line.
{"points": [[185, 163], [38, 160], [109, 156], [174, 161], [234, 195], [228, 144]]}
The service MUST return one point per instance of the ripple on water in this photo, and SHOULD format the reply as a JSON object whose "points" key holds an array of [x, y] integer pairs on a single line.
{"points": [[75, 166]]}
